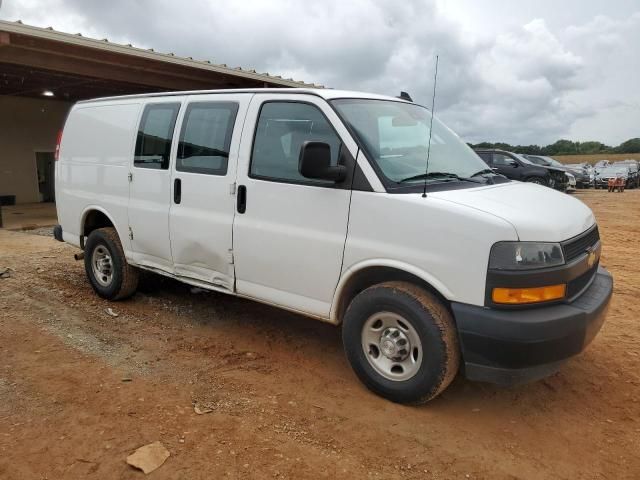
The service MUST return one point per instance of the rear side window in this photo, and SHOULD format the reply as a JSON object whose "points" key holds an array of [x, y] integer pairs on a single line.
{"points": [[282, 129], [153, 145], [205, 138]]}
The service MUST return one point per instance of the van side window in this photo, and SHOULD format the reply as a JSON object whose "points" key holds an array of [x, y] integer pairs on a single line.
{"points": [[206, 137], [282, 129], [153, 145]]}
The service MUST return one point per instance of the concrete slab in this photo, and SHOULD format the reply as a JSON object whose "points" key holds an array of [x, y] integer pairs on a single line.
{"points": [[27, 216]]}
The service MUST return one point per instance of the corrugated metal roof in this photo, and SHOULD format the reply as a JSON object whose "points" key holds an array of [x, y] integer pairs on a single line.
{"points": [[78, 39]]}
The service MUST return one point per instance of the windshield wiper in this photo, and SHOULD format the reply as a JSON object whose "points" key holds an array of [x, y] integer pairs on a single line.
{"points": [[446, 175], [482, 172]]}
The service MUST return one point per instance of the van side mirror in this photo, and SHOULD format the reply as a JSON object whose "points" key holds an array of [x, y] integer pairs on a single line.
{"points": [[315, 162]]}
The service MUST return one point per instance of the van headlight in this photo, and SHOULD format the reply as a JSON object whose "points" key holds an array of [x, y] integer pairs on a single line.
{"points": [[525, 255]]}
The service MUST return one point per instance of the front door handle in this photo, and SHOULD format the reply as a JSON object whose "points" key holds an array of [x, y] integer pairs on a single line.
{"points": [[242, 199], [177, 190]]}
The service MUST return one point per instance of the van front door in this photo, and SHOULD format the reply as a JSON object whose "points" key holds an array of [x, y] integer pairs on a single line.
{"points": [[289, 231], [150, 186], [202, 200]]}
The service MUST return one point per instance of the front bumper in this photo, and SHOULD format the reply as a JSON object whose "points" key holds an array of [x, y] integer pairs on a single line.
{"points": [[509, 347]]}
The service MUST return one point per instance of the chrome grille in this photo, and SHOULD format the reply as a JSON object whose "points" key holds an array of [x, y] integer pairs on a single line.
{"points": [[577, 246]]}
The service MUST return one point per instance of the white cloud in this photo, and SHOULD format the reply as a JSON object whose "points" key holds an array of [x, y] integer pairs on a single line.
{"points": [[526, 83]]}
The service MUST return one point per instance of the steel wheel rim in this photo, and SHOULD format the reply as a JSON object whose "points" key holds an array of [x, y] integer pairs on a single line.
{"points": [[392, 346], [102, 265]]}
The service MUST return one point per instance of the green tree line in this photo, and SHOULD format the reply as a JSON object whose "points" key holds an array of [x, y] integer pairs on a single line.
{"points": [[566, 147]]}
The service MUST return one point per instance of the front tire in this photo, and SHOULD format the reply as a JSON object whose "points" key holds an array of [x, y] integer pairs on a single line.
{"points": [[106, 266], [401, 342]]}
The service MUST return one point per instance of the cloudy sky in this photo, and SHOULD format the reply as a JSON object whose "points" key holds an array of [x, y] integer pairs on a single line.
{"points": [[525, 71]]}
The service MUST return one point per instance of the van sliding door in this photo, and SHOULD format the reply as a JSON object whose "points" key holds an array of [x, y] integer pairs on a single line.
{"points": [[202, 198]]}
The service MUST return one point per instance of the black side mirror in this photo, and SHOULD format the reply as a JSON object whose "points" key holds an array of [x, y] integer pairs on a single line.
{"points": [[315, 162]]}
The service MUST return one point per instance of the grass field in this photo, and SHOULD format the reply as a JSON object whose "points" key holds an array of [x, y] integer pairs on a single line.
{"points": [[592, 159]]}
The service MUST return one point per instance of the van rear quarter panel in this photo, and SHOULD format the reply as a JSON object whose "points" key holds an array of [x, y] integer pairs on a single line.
{"points": [[93, 167], [445, 244]]}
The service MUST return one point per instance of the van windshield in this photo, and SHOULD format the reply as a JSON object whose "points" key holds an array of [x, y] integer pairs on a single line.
{"points": [[395, 135]]}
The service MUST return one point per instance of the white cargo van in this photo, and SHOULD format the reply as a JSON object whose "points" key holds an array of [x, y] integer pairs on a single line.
{"points": [[322, 202]]}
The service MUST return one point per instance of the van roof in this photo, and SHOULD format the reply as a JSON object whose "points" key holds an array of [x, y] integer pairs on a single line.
{"points": [[325, 93]]}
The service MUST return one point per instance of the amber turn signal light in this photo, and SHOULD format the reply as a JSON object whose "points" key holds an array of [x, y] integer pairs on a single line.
{"points": [[515, 296]]}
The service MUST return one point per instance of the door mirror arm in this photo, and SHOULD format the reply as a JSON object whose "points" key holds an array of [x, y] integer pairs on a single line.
{"points": [[315, 163]]}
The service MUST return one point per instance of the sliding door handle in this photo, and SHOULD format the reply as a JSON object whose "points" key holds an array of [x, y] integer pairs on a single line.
{"points": [[177, 190], [242, 199]]}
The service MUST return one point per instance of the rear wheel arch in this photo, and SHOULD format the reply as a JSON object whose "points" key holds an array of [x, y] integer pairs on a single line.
{"points": [[94, 218], [359, 280], [107, 269]]}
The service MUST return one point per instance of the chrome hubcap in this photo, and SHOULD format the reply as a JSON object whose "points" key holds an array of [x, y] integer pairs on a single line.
{"points": [[392, 346], [102, 265]]}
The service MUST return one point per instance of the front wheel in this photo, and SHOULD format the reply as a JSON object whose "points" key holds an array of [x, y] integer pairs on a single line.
{"points": [[106, 266], [401, 342]]}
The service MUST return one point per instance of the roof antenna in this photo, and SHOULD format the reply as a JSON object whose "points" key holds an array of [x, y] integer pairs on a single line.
{"points": [[433, 106]]}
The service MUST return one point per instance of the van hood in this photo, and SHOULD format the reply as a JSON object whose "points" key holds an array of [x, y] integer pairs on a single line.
{"points": [[537, 213]]}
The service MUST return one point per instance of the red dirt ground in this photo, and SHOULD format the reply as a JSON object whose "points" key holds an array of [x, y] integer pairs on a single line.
{"points": [[80, 390]]}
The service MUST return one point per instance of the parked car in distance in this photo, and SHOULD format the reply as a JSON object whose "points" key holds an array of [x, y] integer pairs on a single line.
{"points": [[321, 202], [544, 160], [589, 168], [583, 179], [517, 167], [571, 184], [634, 177], [613, 172], [600, 165]]}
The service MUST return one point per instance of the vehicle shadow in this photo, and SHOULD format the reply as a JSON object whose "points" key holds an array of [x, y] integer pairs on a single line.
{"points": [[293, 342]]}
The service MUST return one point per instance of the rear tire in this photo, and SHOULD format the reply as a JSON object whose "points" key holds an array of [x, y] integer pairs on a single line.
{"points": [[106, 266], [401, 342]]}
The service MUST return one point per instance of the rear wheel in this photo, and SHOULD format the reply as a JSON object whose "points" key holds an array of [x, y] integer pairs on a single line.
{"points": [[401, 342], [106, 266]]}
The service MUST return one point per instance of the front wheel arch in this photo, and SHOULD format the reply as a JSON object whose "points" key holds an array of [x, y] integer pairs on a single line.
{"points": [[368, 276]]}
